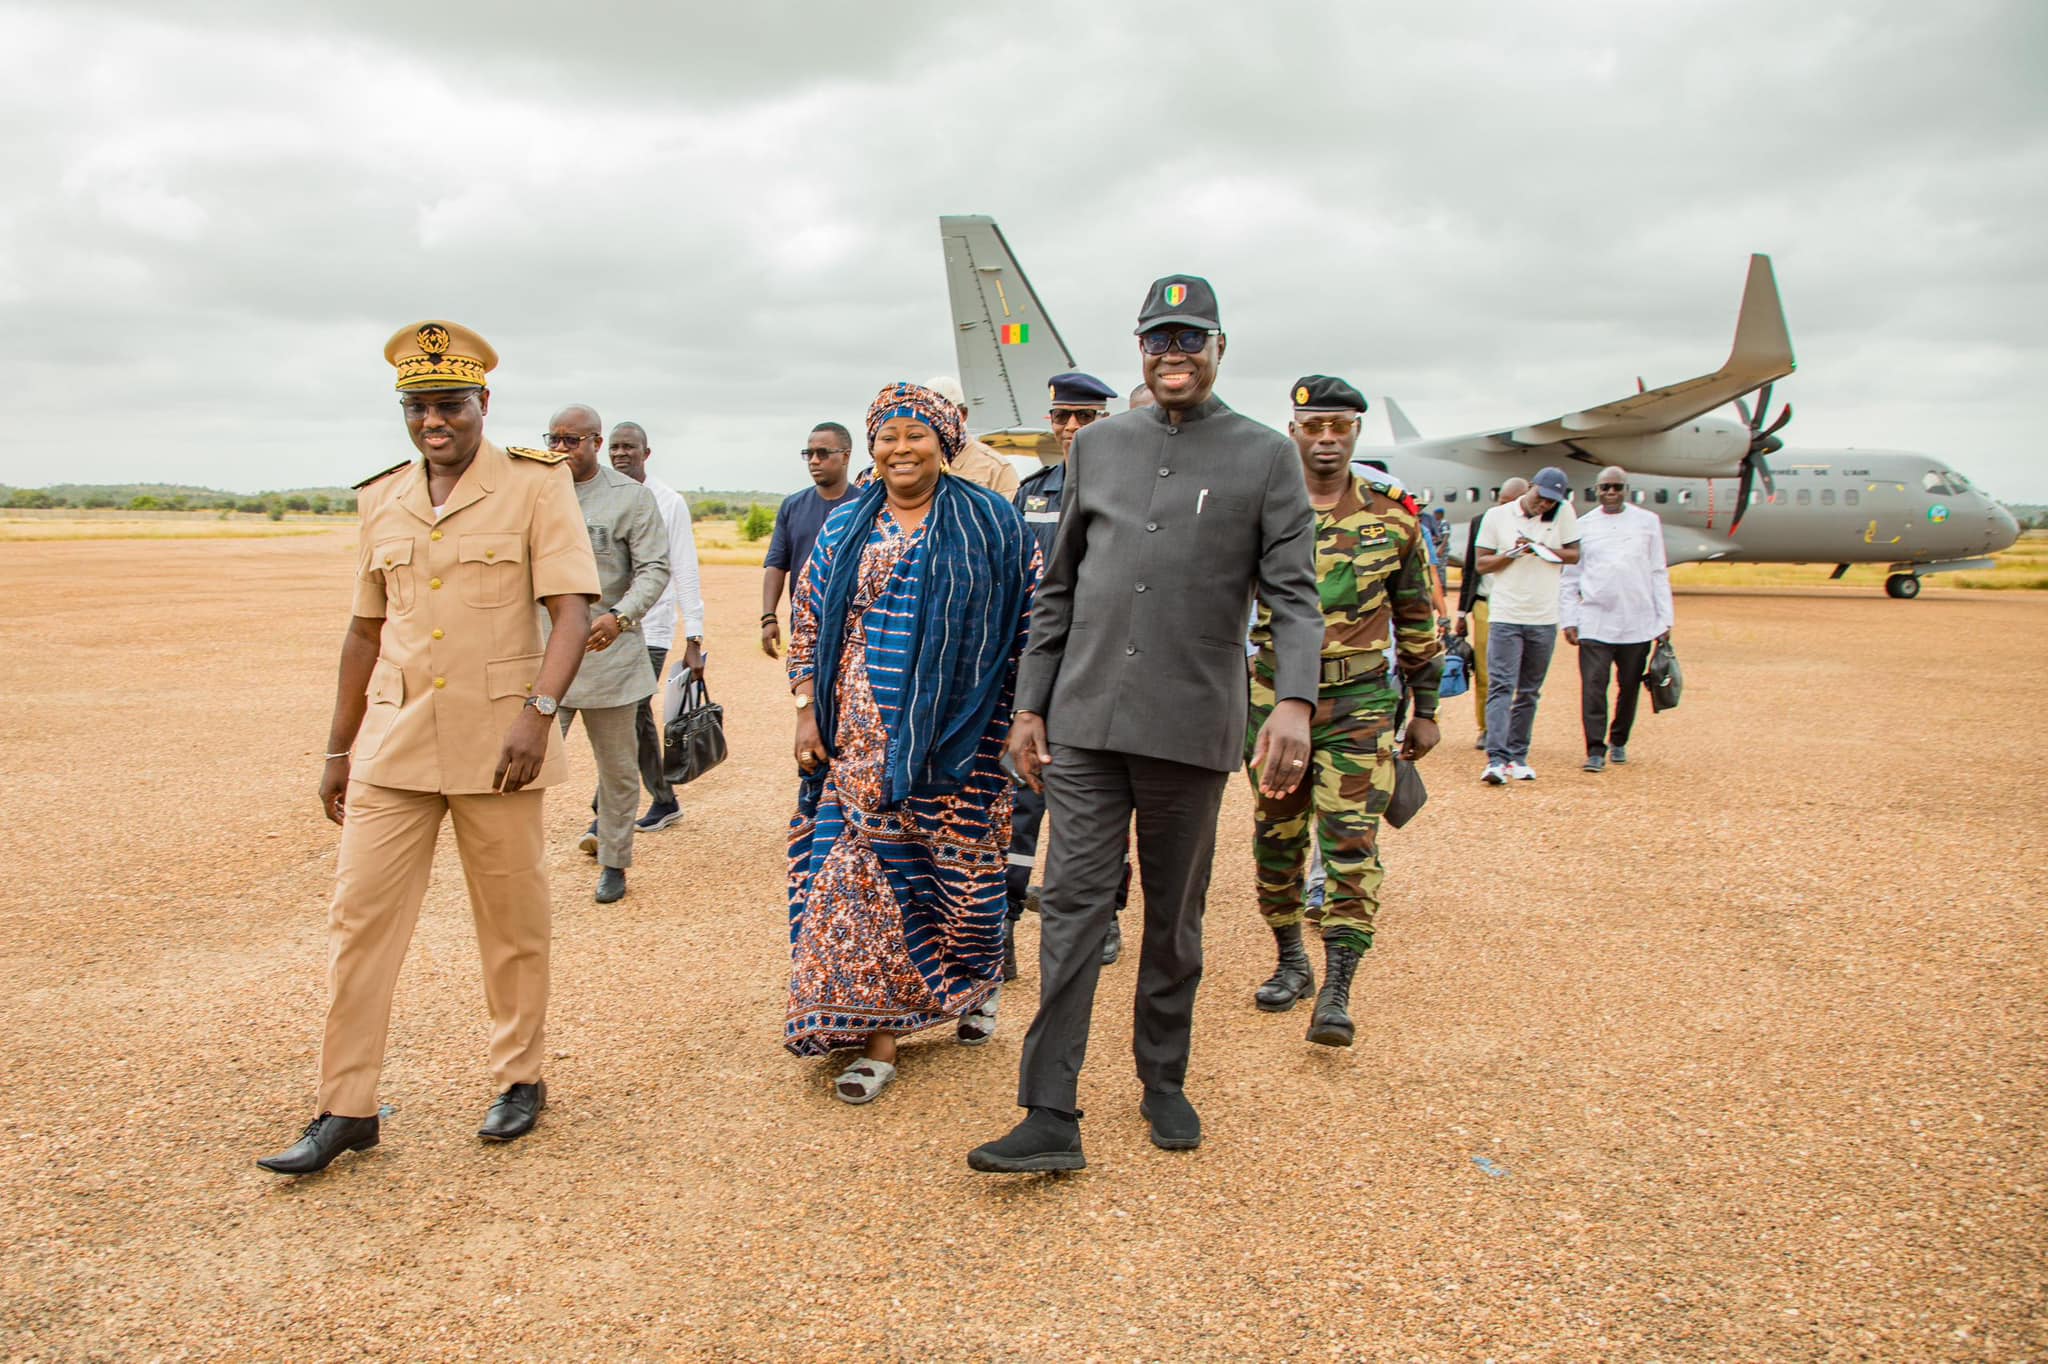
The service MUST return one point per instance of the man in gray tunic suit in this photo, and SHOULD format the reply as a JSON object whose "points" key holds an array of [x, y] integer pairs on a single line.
{"points": [[612, 686], [1132, 698]]}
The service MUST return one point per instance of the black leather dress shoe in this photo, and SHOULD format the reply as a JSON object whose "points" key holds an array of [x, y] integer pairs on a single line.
{"points": [[1175, 1124], [611, 886], [326, 1137], [515, 1112], [1044, 1142]]}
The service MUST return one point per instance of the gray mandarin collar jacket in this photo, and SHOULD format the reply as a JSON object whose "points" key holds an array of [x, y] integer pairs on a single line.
{"points": [[1138, 629]]}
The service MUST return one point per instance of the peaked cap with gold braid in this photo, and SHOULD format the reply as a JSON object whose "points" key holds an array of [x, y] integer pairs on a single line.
{"points": [[438, 354]]}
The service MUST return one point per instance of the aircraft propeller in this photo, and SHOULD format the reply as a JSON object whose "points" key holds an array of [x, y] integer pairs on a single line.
{"points": [[1763, 441]]}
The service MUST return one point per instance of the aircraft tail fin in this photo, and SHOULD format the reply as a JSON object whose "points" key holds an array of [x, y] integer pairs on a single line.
{"points": [[1005, 342], [1397, 420]]}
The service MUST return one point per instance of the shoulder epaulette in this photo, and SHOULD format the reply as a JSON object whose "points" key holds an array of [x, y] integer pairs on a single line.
{"points": [[538, 456], [374, 477], [1389, 487]]}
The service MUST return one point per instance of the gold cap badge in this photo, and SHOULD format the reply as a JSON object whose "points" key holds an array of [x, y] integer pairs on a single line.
{"points": [[1301, 395], [432, 355]]}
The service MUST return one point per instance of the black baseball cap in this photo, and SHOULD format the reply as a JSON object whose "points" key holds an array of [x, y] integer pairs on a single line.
{"points": [[1179, 301]]}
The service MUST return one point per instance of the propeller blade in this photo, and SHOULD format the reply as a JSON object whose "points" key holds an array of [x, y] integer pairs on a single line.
{"points": [[1763, 401], [1764, 469], [1779, 424], [1743, 408], [1742, 492]]}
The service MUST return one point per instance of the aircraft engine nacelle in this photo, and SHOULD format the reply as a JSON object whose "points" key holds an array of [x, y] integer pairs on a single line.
{"points": [[1705, 447]]}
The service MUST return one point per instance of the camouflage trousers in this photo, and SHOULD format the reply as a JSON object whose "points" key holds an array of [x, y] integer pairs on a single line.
{"points": [[1350, 780]]}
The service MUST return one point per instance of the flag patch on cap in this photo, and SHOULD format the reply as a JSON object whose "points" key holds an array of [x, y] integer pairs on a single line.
{"points": [[1015, 334], [1176, 294]]}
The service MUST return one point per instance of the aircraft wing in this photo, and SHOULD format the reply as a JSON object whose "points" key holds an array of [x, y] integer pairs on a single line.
{"points": [[1007, 346], [1762, 352]]}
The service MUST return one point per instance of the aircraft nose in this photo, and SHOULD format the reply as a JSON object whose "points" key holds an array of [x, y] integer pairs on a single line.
{"points": [[2005, 527]]}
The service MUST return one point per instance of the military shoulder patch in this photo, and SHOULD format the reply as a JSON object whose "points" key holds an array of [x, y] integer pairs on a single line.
{"points": [[538, 456], [386, 474]]}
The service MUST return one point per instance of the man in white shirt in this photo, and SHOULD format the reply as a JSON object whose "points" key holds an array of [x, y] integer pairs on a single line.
{"points": [[683, 602], [1522, 549], [1614, 603]]}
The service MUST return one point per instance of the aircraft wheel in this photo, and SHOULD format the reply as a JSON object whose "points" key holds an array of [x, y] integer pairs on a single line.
{"points": [[1904, 586]]}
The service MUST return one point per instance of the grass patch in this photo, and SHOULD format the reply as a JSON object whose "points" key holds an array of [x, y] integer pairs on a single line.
{"points": [[2022, 568], [27, 529]]}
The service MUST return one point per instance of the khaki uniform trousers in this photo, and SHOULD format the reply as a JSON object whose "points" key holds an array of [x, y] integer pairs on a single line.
{"points": [[387, 851]]}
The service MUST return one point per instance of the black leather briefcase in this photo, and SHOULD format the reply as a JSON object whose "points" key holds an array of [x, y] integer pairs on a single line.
{"points": [[1664, 679], [694, 742]]}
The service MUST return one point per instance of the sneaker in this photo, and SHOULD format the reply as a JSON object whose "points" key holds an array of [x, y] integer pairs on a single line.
{"points": [[1617, 753], [659, 815], [1521, 772], [1494, 775], [1595, 762], [588, 843]]}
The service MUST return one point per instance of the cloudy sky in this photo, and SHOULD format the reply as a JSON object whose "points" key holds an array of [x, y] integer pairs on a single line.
{"points": [[722, 222]]}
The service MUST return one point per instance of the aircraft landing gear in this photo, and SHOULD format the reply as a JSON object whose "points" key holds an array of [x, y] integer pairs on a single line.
{"points": [[1904, 586]]}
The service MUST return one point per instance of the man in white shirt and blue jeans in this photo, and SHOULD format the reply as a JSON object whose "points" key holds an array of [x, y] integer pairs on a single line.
{"points": [[1523, 548], [1614, 603]]}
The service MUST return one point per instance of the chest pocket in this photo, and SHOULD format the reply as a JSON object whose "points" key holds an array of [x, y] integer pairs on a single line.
{"points": [[492, 568], [601, 542], [393, 558], [1224, 525]]}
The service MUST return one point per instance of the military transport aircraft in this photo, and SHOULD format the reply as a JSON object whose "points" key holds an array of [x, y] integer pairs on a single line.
{"points": [[1724, 489]]}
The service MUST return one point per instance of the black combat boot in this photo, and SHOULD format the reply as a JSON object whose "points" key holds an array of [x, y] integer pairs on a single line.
{"points": [[1331, 1024], [1292, 979]]}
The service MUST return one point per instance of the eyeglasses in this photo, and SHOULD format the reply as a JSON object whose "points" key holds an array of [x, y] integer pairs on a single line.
{"points": [[1077, 416], [1614, 487], [1336, 426], [448, 408], [809, 453], [1186, 340], [560, 441]]}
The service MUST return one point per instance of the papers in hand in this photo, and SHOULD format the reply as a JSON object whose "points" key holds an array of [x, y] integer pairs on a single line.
{"points": [[1543, 552]]}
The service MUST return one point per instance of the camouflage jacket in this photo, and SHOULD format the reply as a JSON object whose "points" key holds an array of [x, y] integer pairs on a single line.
{"points": [[1372, 573]]}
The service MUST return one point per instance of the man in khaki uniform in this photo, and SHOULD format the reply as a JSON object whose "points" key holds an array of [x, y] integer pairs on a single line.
{"points": [[443, 709], [975, 462]]}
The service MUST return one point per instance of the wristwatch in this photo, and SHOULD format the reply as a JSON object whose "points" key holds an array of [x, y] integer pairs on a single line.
{"points": [[803, 703], [625, 621], [546, 705]]}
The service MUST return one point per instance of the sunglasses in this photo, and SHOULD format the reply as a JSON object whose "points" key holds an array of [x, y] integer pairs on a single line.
{"points": [[1186, 340], [1613, 487], [1335, 426], [809, 453], [564, 442], [1078, 416]]}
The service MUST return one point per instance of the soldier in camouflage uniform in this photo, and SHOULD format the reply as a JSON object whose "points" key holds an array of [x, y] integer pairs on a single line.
{"points": [[1373, 574]]}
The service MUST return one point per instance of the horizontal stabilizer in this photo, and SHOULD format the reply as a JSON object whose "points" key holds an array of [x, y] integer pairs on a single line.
{"points": [[1762, 352], [1397, 420], [1007, 346]]}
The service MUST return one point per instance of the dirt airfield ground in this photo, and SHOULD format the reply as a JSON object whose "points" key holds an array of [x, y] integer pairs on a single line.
{"points": [[1734, 1053]]}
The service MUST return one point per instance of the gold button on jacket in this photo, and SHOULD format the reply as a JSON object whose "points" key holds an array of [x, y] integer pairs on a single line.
{"points": [[455, 666]]}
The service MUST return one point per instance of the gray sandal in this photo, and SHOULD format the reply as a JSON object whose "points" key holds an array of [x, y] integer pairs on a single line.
{"points": [[860, 1082], [978, 1024]]}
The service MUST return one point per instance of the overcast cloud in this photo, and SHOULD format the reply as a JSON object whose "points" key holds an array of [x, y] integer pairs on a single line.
{"points": [[722, 223]]}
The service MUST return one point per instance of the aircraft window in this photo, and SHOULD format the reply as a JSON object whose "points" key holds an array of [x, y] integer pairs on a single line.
{"points": [[1427, 496], [1852, 497], [1663, 496], [1957, 482], [1827, 497], [1494, 493], [1450, 494], [1684, 496], [1472, 494], [1636, 497], [1935, 483], [1806, 497]]}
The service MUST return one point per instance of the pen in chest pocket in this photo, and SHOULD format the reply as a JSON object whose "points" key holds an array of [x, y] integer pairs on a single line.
{"points": [[1200, 500]]}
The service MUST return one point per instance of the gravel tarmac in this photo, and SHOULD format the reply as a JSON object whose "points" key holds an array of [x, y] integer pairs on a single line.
{"points": [[1735, 1052]]}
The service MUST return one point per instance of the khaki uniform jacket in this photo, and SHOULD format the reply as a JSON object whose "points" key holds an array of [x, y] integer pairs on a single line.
{"points": [[978, 464], [461, 646]]}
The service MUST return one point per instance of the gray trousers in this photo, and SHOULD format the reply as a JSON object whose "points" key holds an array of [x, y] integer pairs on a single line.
{"points": [[610, 729], [1517, 660], [1090, 796]]}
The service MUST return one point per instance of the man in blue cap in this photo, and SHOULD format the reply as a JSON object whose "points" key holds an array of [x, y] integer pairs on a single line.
{"points": [[1522, 549], [1076, 400]]}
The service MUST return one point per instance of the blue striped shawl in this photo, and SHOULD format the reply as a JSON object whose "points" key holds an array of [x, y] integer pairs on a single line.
{"points": [[973, 577]]}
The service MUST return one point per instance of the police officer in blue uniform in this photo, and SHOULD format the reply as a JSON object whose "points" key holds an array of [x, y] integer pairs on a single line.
{"points": [[1077, 400]]}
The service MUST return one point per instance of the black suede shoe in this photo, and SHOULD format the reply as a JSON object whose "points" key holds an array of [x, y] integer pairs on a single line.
{"points": [[1009, 950], [1044, 1142], [515, 1112], [326, 1137], [1113, 945], [1175, 1124], [611, 885]]}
